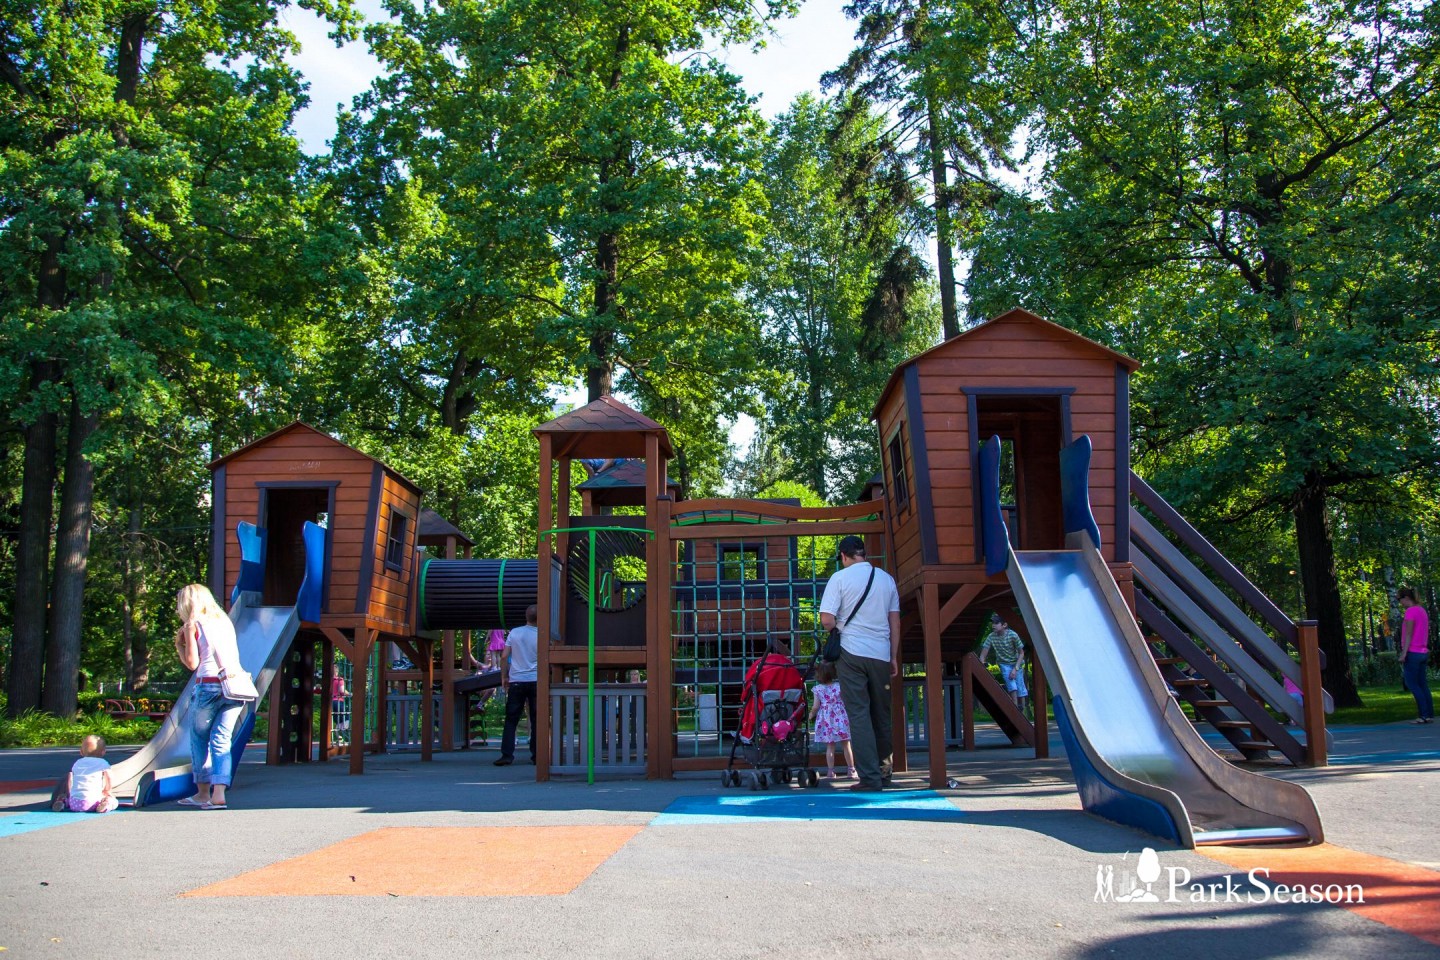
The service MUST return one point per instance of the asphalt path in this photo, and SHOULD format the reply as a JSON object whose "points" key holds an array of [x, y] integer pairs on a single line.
{"points": [[1005, 864]]}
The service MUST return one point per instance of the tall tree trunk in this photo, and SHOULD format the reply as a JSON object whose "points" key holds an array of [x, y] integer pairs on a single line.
{"points": [[1322, 589], [37, 506], [136, 641], [816, 399], [32, 561], [944, 232], [72, 557]]}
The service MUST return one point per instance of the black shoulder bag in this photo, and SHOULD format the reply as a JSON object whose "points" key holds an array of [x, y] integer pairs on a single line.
{"points": [[832, 642]]}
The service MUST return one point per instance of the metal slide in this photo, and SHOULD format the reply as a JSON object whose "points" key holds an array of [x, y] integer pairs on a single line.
{"points": [[161, 769], [1136, 757]]}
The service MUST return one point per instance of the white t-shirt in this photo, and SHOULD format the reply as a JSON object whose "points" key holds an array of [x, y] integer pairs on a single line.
{"points": [[524, 658], [217, 634], [868, 633], [87, 779]]}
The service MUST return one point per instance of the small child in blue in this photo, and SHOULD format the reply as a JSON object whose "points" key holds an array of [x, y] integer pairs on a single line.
{"points": [[832, 723], [87, 785]]}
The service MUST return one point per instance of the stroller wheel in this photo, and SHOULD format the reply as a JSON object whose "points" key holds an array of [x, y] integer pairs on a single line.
{"points": [[812, 778], [734, 778], [724, 778]]}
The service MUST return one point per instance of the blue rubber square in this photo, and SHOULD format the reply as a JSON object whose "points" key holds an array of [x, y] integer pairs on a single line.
{"points": [[922, 805]]}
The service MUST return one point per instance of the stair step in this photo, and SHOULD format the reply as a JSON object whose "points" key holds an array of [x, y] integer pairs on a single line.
{"points": [[1166, 661], [1255, 745], [1190, 682], [1210, 703], [1232, 724]]}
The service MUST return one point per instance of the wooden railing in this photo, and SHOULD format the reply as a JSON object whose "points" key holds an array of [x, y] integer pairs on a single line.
{"points": [[1301, 637], [917, 719], [620, 741]]}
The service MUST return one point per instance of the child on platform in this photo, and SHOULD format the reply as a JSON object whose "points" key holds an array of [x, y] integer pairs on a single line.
{"points": [[87, 785], [832, 724]]}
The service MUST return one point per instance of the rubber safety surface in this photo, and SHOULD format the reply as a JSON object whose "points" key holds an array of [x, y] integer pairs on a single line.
{"points": [[923, 805], [437, 862]]}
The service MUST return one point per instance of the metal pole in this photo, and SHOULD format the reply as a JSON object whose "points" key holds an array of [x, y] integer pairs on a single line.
{"points": [[590, 669]]}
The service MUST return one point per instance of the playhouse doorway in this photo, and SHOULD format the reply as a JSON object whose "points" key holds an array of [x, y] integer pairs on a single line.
{"points": [[1032, 429], [283, 513]]}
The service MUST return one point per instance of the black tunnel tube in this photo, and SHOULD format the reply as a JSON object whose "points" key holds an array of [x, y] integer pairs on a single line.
{"points": [[476, 594]]}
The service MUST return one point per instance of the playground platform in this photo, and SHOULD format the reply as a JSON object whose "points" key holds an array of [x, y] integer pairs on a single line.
{"points": [[458, 858]]}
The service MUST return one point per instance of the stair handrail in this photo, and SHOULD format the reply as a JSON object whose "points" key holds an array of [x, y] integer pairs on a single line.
{"points": [[1204, 549]]}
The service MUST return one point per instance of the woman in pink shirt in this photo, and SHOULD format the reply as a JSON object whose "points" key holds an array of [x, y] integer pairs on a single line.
{"points": [[1415, 643]]}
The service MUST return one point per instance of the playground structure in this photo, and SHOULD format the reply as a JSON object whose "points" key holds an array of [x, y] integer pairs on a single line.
{"points": [[650, 607]]}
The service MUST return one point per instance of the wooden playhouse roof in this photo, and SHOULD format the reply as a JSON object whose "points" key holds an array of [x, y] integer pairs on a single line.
{"points": [[319, 436], [957, 344], [604, 429]]}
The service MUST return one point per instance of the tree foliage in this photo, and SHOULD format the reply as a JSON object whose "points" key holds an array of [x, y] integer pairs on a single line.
{"points": [[1244, 197]]}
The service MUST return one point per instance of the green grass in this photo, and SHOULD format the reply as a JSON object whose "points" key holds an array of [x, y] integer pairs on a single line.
{"points": [[1382, 704]]}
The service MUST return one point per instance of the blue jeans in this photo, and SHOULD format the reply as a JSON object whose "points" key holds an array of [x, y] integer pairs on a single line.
{"points": [[212, 724], [1418, 685]]}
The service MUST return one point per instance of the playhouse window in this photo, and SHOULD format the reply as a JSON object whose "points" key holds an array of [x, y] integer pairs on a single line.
{"points": [[896, 450], [742, 561], [395, 540]]}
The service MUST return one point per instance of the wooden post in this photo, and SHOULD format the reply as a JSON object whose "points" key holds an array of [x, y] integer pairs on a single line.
{"points": [[662, 702], [934, 683], [1040, 698], [364, 639], [543, 602], [967, 700], [447, 673], [426, 649], [899, 750], [1308, 636], [327, 702], [660, 745], [275, 714]]}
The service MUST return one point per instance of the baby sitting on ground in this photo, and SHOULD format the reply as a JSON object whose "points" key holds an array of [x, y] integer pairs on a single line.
{"points": [[87, 785]]}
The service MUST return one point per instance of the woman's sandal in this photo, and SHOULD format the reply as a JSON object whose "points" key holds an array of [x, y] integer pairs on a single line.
{"points": [[215, 806], [191, 802]]}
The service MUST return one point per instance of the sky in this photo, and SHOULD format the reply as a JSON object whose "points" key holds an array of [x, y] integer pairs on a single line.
{"points": [[802, 48]]}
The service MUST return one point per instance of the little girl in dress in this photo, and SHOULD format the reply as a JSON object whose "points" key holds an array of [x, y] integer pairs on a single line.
{"points": [[832, 725]]}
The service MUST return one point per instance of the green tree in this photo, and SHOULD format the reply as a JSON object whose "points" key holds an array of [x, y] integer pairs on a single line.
{"points": [[1245, 198], [937, 69], [151, 200], [843, 293], [592, 165]]}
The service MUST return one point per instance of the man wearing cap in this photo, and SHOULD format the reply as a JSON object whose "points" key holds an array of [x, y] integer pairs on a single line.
{"points": [[863, 602]]}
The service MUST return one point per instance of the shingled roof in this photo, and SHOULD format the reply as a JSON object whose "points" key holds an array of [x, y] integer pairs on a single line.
{"points": [[604, 429], [433, 530]]}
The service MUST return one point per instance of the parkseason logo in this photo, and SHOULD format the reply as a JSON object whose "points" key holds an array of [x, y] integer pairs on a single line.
{"points": [[1149, 882]]}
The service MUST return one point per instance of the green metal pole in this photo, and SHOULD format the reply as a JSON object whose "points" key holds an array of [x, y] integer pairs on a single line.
{"points": [[590, 638], [590, 670]]}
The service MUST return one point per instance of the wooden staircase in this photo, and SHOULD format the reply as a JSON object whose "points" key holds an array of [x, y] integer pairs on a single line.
{"points": [[1236, 715]]}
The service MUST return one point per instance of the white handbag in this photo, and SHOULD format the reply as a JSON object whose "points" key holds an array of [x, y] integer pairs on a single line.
{"points": [[238, 685]]}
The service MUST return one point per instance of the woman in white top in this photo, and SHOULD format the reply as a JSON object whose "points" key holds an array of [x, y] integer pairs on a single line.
{"points": [[206, 644]]}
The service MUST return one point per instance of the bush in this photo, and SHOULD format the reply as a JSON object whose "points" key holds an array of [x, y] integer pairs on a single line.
{"points": [[36, 729], [1380, 670]]}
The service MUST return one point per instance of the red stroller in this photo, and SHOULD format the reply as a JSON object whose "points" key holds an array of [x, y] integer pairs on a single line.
{"points": [[774, 732]]}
